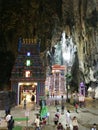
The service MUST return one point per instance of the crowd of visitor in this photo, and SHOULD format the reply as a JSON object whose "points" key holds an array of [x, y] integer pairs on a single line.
{"points": [[42, 119]]}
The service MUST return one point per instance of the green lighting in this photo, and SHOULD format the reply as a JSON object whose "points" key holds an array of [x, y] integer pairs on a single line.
{"points": [[28, 63]]}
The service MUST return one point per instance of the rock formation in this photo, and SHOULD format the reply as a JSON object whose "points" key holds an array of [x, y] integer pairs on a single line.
{"points": [[45, 21]]}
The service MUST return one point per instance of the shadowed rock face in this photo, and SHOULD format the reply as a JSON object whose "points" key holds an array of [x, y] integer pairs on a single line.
{"points": [[7, 100], [44, 20]]}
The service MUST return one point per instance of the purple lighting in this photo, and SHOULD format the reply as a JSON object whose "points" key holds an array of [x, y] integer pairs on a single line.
{"points": [[82, 89], [81, 84]]}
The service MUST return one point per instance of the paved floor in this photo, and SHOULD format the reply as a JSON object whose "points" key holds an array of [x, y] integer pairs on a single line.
{"points": [[86, 116]]}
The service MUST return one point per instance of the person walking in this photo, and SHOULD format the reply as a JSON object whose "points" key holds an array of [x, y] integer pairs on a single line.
{"points": [[75, 123]]}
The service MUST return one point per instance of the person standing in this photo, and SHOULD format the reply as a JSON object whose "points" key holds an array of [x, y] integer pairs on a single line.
{"points": [[75, 123], [62, 104], [33, 102], [94, 127], [76, 107], [10, 124], [68, 118], [25, 103], [37, 123], [8, 117], [56, 119]]}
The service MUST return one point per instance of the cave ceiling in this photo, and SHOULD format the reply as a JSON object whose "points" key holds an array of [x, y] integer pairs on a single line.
{"points": [[43, 19]]}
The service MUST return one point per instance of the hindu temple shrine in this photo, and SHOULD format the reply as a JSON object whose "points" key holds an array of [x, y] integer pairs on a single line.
{"points": [[28, 74]]}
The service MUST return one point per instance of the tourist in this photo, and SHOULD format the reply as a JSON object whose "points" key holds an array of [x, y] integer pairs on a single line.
{"points": [[60, 126], [76, 107], [8, 118], [94, 127], [56, 119], [68, 118], [58, 113], [62, 104], [10, 123], [75, 123], [25, 103], [37, 123], [33, 101], [44, 121]]}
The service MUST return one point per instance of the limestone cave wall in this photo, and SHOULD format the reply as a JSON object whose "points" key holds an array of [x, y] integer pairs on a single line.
{"points": [[45, 20], [7, 100], [80, 21]]}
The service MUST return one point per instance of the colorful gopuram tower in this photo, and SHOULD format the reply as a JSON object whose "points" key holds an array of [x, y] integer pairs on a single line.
{"points": [[28, 74]]}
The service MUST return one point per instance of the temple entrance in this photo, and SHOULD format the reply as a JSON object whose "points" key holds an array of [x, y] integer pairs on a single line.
{"points": [[27, 91]]}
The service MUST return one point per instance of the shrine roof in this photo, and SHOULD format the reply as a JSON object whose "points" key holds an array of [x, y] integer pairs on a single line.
{"points": [[58, 67]]}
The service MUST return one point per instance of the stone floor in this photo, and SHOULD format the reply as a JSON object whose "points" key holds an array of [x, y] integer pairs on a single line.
{"points": [[86, 116]]}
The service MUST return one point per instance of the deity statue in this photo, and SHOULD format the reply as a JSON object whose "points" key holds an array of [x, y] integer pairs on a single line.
{"points": [[58, 54]]}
